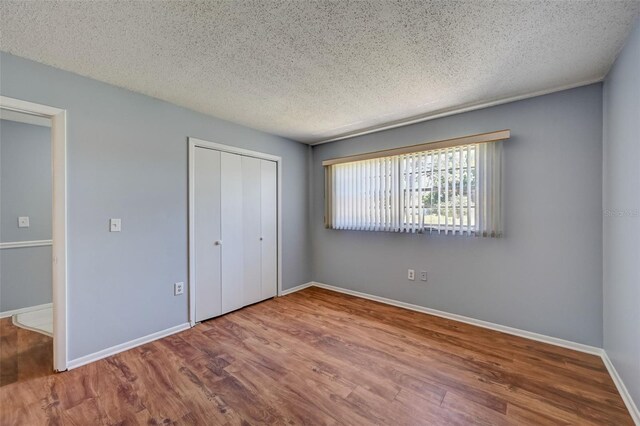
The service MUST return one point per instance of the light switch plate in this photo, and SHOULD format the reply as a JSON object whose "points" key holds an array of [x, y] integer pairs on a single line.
{"points": [[23, 222], [115, 225]]}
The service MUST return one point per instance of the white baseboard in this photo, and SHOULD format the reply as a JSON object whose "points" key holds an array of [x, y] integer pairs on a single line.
{"points": [[484, 324], [296, 288], [624, 393], [6, 314], [125, 346]]}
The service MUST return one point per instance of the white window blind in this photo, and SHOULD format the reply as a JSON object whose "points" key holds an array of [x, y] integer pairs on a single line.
{"points": [[453, 190]]}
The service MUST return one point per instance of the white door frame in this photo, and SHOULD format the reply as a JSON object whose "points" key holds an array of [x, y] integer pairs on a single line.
{"points": [[59, 217], [199, 143]]}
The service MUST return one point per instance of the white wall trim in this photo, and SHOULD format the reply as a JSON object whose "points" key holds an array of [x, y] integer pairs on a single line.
{"points": [[24, 244], [20, 117], [78, 362], [452, 111], [193, 144], [13, 312], [233, 149], [484, 324], [296, 288], [624, 393], [58, 119]]}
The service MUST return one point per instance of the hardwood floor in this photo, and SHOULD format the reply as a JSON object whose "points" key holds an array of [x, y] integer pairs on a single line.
{"points": [[319, 357], [24, 354]]}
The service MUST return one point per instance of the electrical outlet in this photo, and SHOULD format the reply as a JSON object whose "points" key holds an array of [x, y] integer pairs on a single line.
{"points": [[423, 275], [178, 289], [411, 274]]}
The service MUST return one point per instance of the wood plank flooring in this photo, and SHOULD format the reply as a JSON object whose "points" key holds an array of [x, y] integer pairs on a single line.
{"points": [[24, 354], [318, 357]]}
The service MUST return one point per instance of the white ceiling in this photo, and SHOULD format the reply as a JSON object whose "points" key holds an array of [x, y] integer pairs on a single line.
{"points": [[313, 70]]}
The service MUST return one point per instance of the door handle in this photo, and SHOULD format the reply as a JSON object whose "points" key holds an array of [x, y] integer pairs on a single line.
{"points": [[261, 238], [217, 243]]}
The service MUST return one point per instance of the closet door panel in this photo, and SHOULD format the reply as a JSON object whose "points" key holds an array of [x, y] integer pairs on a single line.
{"points": [[269, 219], [251, 228], [207, 231], [232, 235]]}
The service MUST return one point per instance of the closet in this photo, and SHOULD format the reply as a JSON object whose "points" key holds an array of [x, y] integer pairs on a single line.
{"points": [[234, 251]]}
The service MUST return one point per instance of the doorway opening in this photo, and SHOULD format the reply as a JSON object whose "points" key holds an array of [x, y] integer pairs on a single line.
{"points": [[32, 240]]}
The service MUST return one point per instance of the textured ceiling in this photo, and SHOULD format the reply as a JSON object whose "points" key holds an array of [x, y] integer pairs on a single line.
{"points": [[312, 70]]}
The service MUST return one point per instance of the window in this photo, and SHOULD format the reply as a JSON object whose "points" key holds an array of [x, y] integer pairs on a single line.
{"points": [[452, 190]]}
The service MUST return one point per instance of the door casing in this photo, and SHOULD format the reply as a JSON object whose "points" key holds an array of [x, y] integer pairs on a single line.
{"points": [[58, 119]]}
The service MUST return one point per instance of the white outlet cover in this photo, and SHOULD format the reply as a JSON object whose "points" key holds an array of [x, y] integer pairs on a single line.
{"points": [[411, 274], [178, 288], [23, 221], [115, 225]]}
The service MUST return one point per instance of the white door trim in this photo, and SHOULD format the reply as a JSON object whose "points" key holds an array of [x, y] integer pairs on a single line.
{"points": [[199, 143], [59, 261]]}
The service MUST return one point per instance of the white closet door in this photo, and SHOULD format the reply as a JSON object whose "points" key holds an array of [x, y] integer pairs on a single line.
{"points": [[251, 227], [207, 232], [232, 235], [268, 214]]}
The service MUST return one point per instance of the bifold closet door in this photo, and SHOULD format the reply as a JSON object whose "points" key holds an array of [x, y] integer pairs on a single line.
{"points": [[269, 226], [207, 233], [251, 188], [232, 232], [236, 231]]}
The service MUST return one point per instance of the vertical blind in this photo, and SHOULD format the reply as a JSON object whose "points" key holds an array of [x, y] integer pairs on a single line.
{"points": [[453, 190]]}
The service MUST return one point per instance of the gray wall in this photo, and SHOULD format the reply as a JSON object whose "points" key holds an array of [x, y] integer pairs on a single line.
{"points": [[545, 276], [127, 158], [621, 221], [26, 277], [25, 170], [25, 190]]}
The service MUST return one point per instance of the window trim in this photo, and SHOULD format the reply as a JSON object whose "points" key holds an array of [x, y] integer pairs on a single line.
{"points": [[496, 136]]}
